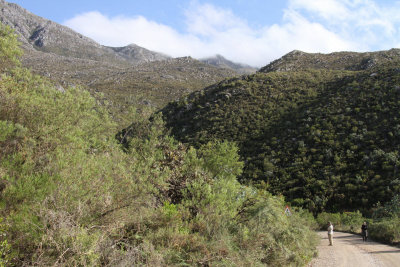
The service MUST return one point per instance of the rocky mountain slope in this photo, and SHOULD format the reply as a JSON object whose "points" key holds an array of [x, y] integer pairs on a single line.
{"points": [[138, 54], [221, 62], [47, 36], [127, 76], [321, 129], [298, 60]]}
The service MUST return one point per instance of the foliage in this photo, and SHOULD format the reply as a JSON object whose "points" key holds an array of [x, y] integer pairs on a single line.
{"points": [[346, 221], [9, 49], [263, 232], [390, 209], [386, 230], [5, 247], [383, 226], [72, 195], [383, 230], [325, 139]]}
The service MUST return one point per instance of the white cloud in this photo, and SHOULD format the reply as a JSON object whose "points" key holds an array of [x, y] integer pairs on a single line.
{"points": [[308, 25], [208, 20], [328, 9], [365, 18], [121, 31]]}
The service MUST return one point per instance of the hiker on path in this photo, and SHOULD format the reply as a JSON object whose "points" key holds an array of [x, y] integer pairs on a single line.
{"points": [[330, 234], [364, 231]]}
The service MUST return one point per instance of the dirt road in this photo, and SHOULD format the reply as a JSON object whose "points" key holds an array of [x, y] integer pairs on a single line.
{"points": [[349, 250]]}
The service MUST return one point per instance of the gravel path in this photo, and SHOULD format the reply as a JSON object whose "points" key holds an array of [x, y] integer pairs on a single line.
{"points": [[349, 250]]}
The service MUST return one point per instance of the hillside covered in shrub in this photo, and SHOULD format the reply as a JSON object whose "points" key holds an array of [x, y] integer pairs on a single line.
{"points": [[72, 195], [327, 139]]}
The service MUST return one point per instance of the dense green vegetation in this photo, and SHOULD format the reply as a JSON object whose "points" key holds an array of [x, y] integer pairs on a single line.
{"points": [[72, 195], [382, 223], [325, 139]]}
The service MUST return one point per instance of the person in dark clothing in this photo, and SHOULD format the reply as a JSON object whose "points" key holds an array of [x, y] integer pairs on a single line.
{"points": [[364, 231]]}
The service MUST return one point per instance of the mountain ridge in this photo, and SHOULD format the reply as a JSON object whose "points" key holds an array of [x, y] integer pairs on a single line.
{"points": [[47, 36], [298, 60], [69, 58]]}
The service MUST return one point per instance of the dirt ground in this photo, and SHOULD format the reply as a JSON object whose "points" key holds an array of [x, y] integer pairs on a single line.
{"points": [[349, 250]]}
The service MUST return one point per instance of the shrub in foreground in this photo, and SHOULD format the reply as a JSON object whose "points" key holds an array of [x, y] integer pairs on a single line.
{"points": [[71, 195]]}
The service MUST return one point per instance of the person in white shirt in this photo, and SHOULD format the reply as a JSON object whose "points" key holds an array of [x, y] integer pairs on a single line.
{"points": [[330, 234]]}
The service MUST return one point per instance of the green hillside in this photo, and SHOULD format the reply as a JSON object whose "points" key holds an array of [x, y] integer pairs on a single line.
{"points": [[71, 195], [325, 139]]}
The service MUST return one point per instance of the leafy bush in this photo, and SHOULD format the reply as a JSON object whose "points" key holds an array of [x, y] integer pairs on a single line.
{"points": [[386, 230], [270, 234], [9, 48], [352, 221], [346, 221], [389, 209]]}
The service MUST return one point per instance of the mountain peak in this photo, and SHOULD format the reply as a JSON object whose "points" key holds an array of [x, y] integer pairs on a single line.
{"points": [[221, 62], [296, 52], [135, 53]]}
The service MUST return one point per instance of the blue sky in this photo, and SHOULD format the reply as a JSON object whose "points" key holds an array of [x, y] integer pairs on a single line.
{"points": [[249, 31], [169, 12]]}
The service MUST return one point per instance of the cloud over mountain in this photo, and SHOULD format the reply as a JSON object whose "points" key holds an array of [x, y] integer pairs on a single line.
{"points": [[311, 26]]}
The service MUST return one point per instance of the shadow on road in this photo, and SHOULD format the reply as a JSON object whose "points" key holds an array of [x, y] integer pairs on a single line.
{"points": [[383, 252], [345, 236]]}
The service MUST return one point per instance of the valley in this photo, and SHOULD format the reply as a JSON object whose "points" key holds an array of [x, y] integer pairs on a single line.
{"points": [[121, 156]]}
